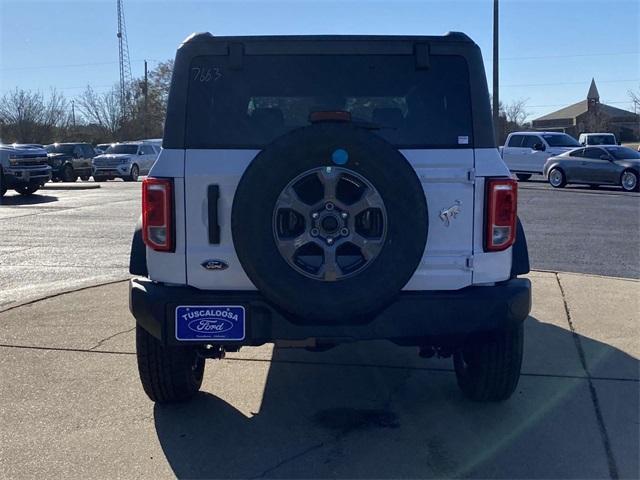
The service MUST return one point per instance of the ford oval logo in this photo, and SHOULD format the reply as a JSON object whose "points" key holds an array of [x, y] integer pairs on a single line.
{"points": [[214, 265], [209, 325]]}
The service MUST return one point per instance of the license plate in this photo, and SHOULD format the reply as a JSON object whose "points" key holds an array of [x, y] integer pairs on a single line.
{"points": [[210, 322]]}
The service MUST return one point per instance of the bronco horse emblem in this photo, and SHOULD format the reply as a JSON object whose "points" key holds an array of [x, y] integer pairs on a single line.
{"points": [[447, 214]]}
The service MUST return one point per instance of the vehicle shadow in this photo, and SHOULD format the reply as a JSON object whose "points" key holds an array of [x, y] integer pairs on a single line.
{"points": [[35, 199], [377, 411], [539, 180]]}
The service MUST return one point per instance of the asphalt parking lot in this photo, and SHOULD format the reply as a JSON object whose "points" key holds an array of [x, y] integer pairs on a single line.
{"points": [[72, 405], [578, 229], [64, 238]]}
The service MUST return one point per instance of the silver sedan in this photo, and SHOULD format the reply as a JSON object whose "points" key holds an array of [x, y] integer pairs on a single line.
{"points": [[603, 165]]}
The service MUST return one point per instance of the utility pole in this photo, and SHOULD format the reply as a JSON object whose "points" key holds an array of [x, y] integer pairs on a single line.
{"points": [[496, 84], [145, 92]]}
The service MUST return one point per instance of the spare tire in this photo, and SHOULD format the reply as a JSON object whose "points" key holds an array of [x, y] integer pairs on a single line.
{"points": [[329, 223]]}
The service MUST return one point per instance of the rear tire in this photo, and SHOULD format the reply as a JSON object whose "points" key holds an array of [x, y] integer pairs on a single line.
{"points": [[629, 181], [3, 186], [557, 178], [523, 177], [68, 174], [168, 374], [27, 189], [133, 175], [488, 366]]}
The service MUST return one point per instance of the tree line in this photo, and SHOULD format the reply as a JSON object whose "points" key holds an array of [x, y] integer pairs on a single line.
{"points": [[95, 117]]}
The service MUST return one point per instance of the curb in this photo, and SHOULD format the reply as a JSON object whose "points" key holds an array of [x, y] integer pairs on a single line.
{"points": [[71, 186], [579, 274], [59, 293]]}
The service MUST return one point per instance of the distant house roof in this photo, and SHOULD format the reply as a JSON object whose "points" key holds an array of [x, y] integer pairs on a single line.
{"points": [[577, 109]]}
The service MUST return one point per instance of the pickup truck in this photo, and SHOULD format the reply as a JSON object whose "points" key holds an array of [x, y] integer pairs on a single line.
{"points": [[23, 168], [525, 153]]}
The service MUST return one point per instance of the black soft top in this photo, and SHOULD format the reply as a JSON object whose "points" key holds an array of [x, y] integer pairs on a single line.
{"points": [[235, 47]]}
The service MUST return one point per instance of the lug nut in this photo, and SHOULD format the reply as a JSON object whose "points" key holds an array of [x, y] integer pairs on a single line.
{"points": [[329, 206], [344, 232], [314, 232]]}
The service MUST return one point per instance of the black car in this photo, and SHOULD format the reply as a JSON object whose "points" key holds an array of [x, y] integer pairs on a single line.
{"points": [[69, 161]]}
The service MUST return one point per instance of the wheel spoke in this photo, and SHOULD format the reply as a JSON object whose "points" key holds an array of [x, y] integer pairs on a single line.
{"points": [[289, 246], [370, 199], [290, 199], [330, 268], [329, 178], [368, 247]]}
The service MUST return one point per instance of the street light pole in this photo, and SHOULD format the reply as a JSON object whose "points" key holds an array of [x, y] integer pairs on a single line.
{"points": [[496, 85]]}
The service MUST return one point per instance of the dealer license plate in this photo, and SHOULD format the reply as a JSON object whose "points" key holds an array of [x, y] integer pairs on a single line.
{"points": [[210, 322]]}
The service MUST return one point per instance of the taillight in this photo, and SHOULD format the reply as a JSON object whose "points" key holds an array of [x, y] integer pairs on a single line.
{"points": [[500, 220], [157, 214]]}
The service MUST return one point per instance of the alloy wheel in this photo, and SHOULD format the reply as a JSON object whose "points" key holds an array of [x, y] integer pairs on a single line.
{"points": [[329, 223], [629, 181]]}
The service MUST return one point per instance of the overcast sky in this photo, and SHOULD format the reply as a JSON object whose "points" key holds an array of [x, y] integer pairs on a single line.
{"points": [[549, 49]]}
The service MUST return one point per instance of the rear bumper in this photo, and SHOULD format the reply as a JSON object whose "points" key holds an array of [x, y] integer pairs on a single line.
{"points": [[415, 318]]}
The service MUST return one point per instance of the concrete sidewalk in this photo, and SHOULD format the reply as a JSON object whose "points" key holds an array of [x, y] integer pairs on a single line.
{"points": [[71, 404]]}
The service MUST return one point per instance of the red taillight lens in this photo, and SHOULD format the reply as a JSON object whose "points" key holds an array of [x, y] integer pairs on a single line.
{"points": [[157, 214], [500, 222]]}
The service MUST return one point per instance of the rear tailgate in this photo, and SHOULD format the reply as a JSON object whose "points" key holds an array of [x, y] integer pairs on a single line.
{"points": [[444, 174]]}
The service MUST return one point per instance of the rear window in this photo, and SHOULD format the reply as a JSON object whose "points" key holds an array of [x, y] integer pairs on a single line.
{"points": [[273, 94], [515, 141]]}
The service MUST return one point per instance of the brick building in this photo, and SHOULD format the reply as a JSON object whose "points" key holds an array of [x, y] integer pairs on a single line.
{"points": [[590, 115]]}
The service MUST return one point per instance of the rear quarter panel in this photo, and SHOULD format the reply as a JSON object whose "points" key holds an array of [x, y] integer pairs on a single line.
{"points": [[170, 267]]}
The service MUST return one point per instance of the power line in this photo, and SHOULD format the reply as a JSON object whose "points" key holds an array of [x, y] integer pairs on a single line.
{"points": [[577, 55], [568, 83], [72, 65]]}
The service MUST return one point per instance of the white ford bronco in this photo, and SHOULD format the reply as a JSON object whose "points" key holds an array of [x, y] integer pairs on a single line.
{"points": [[320, 190]]}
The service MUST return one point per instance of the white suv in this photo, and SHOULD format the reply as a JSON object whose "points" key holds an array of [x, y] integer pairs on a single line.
{"points": [[126, 160], [319, 190]]}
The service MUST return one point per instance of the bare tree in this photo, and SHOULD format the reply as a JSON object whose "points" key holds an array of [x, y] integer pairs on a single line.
{"points": [[101, 109], [516, 111], [27, 116], [635, 99]]}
